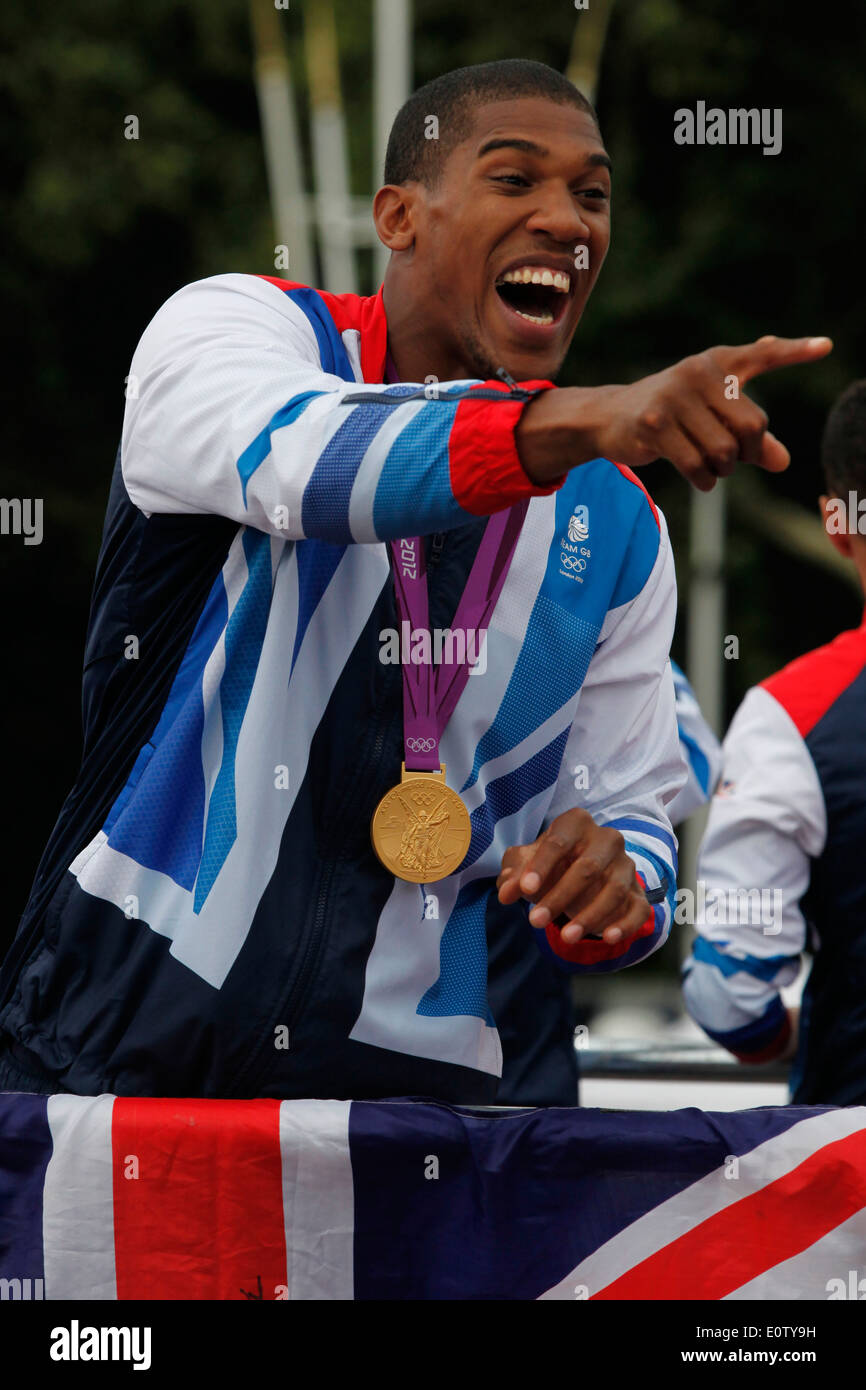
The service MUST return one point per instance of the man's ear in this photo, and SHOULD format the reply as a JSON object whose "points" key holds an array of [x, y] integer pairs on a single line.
{"points": [[394, 215], [834, 516]]}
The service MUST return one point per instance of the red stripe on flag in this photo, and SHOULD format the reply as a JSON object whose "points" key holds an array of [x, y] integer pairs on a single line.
{"points": [[203, 1218], [736, 1245]]}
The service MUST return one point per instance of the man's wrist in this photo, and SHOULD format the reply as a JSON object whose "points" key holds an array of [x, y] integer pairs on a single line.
{"points": [[556, 432]]}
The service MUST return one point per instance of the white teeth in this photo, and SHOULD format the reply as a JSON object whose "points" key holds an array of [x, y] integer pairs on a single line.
{"points": [[531, 275], [545, 318]]}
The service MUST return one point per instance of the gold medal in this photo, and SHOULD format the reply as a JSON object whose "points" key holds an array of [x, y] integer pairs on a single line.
{"points": [[421, 829]]}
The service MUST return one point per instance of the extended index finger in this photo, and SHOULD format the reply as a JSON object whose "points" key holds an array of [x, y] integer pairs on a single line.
{"points": [[770, 353]]}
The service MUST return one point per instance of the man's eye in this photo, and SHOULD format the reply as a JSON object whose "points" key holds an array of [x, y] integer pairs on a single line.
{"points": [[516, 179], [597, 193]]}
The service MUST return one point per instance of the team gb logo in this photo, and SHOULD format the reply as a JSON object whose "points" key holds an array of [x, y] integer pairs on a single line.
{"points": [[578, 524]]}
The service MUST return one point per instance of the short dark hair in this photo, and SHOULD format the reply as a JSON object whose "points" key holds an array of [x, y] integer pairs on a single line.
{"points": [[413, 156], [843, 446]]}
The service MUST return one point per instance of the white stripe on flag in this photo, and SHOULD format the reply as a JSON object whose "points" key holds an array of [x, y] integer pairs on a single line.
{"points": [[318, 1198], [806, 1275], [78, 1200], [702, 1199]]}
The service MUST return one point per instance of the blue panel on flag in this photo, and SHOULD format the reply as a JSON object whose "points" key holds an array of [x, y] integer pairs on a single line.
{"points": [[25, 1148], [517, 1201]]}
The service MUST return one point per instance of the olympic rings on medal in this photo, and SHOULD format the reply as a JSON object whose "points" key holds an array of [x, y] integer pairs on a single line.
{"points": [[420, 745]]}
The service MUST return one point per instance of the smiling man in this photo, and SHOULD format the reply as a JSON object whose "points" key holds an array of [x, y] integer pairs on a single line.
{"points": [[502, 286], [275, 873]]}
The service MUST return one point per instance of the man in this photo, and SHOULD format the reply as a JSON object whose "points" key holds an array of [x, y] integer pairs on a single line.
{"points": [[209, 917], [782, 858]]}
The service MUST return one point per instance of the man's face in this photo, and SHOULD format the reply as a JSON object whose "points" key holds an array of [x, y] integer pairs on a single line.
{"points": [[493, 263]]}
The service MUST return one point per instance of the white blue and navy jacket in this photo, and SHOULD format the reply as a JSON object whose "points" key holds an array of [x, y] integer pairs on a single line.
{"points": [[209, 917], [781, 871], [530, 998]]}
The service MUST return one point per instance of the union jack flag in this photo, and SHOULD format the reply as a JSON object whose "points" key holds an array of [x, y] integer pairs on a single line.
{"points": [[117, 1198]]}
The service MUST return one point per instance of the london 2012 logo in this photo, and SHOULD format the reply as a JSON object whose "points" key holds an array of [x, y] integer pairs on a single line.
{"points": [[573, 553]]}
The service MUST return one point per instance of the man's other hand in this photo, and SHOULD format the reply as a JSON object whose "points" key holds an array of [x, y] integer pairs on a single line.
{"points": [[579, 870]]}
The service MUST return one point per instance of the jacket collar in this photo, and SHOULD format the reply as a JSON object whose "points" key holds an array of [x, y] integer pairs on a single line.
{"points": [[366, 314]]}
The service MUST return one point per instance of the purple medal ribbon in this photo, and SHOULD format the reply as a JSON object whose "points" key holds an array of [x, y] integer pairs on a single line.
{"points": [[431, 690]]}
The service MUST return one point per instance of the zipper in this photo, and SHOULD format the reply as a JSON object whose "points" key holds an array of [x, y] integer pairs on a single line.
{"points": [[437, 545], [380, 739], [291, 1009], [250, 1070], [475, 393]]}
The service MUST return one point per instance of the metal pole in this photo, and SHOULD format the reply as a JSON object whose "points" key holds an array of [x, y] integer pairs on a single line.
{"points": [[392, 84], [704, 644], [706, 613], [282, 148], [330, 160], [587, 46]]}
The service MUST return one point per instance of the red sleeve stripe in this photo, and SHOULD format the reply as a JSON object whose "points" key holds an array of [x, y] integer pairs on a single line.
{"points": [[486, 472], [591, 952], [583, 952]]}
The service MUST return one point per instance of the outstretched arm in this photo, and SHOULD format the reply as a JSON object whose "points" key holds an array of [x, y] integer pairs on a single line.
{"points": [[693, 413], [244, 402]]}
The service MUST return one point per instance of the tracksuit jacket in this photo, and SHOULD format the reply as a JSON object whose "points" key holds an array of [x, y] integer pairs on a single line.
{"points": [[208, 917], [532, 1000], [782, 871]]}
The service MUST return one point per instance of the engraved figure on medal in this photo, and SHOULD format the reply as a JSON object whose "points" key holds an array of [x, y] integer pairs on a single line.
{"points": [[421, 840]]}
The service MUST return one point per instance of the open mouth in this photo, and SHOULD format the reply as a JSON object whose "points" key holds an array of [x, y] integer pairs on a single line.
{"points": [[537, 293]]}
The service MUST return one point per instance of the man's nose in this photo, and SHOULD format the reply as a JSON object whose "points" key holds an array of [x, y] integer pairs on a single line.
{"points": [[560, 215]]}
